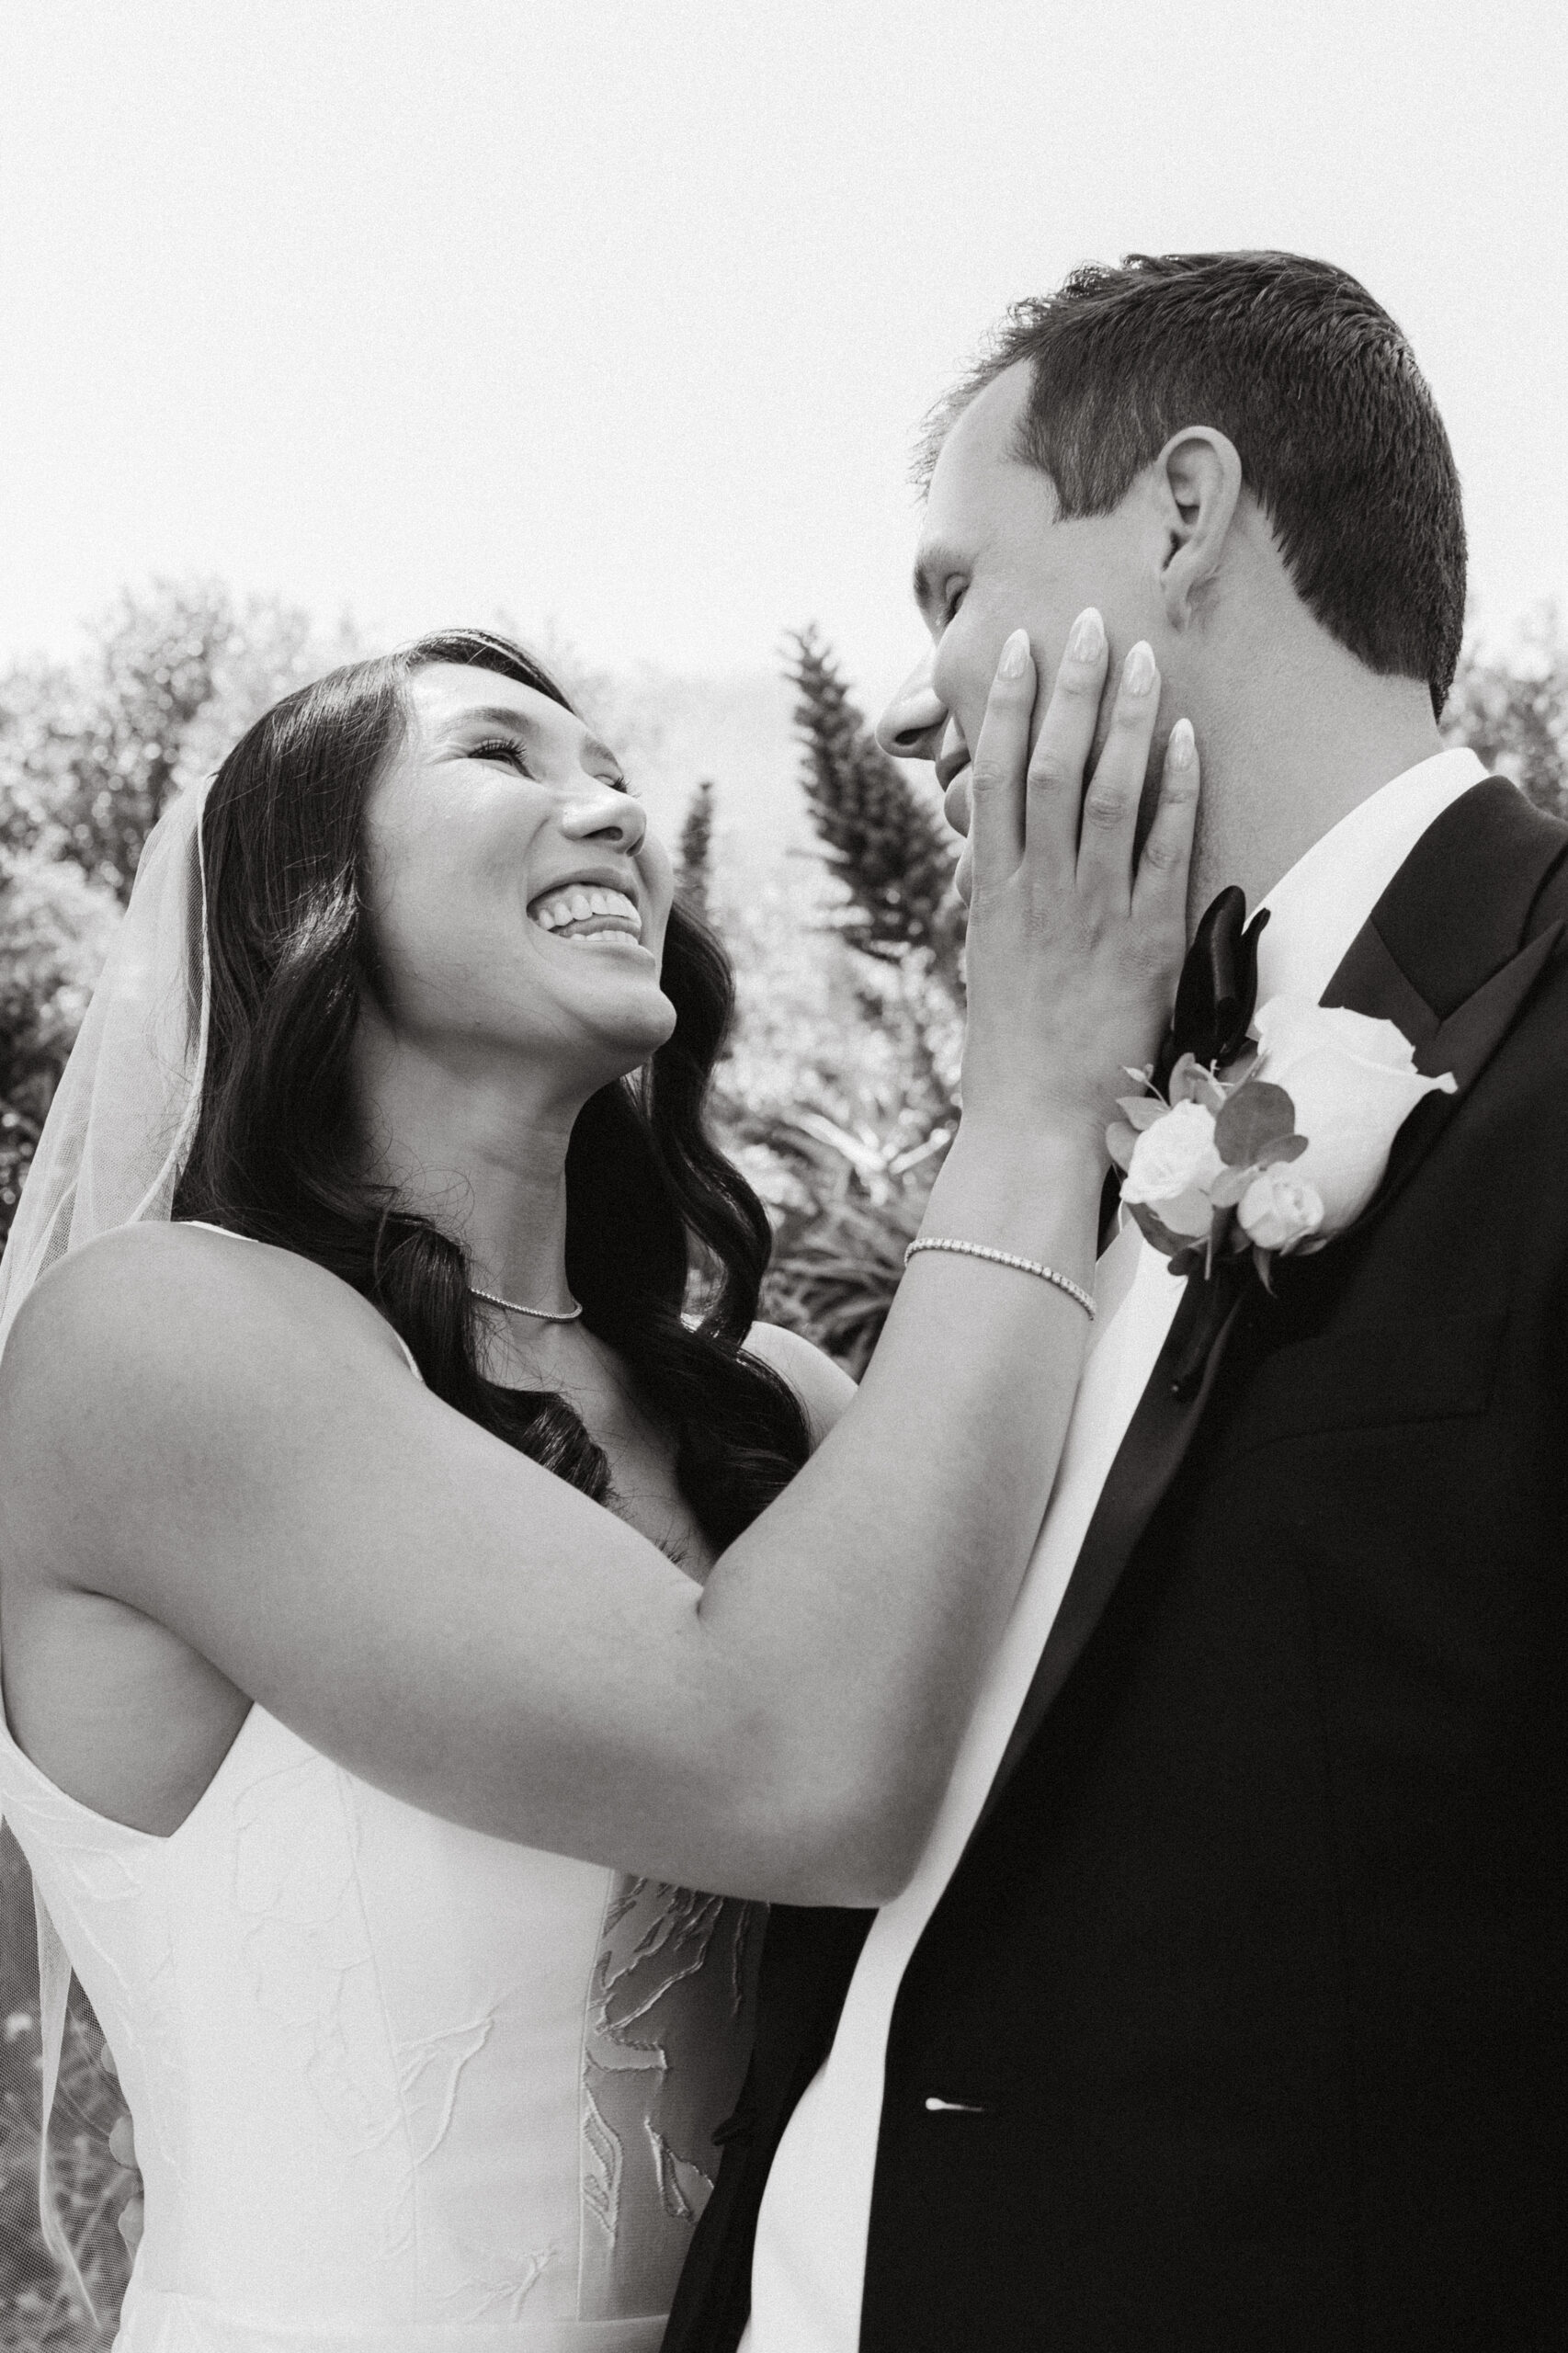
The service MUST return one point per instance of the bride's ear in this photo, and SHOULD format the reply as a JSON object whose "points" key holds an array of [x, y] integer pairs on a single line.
{"points": [[1197, 483]]}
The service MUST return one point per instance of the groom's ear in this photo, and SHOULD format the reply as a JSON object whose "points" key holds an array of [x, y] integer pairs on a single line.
{"points": [[1197, 485]]}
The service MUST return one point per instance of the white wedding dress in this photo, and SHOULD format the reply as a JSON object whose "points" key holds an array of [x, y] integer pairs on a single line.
{"points": [[397, 2087]]}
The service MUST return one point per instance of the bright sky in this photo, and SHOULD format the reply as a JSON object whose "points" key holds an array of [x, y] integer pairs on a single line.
{"points": [[623, 315]]}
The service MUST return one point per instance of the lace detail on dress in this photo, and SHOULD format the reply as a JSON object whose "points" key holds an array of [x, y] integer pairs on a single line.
{"points": [[668, 2019], [468, 2087]]}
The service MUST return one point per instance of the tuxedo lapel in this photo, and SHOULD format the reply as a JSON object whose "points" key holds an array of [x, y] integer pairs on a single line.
{"points": [[1440, 955], [1147, 1461]]}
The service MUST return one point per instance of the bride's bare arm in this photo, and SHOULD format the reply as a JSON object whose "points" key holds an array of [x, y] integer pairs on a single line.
{"points": [[228, 1441]]}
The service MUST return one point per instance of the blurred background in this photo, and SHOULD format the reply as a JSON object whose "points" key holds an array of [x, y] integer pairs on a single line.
{"points": [[611, 325]]}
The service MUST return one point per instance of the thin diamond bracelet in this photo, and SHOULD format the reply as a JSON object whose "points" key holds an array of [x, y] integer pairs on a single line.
{"points": [[1004, 1258]]}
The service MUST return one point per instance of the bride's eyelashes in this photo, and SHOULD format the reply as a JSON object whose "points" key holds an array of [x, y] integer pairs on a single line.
{"points": [[503, 747]]}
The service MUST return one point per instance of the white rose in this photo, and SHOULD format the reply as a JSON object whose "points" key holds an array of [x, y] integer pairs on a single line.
{"points": [[1172, 1164], [1278, 1209], [1354, 1084]]}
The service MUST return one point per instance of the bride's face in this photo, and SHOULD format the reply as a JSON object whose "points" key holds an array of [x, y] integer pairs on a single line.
{"points": [[516, 900]]}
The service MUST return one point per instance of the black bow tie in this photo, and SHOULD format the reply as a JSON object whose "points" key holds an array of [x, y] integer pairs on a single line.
{"points": [[1217, 987]]}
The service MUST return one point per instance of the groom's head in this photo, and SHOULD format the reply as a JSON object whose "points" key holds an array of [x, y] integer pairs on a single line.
{"points": [[1232, 455]]}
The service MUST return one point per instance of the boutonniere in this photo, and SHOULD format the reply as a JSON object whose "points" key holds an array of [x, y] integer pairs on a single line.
{"points": [[1276, 1152]]}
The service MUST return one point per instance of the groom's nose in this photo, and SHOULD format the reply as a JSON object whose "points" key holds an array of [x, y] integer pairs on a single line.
{"points": [[911, 727]]}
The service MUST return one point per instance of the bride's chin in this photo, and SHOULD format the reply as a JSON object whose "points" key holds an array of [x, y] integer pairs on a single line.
{"points": [[629, 1030]]}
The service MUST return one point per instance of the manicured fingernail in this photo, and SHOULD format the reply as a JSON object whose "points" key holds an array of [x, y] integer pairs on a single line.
{"points": [[1014, 656], [1181, 746], [1139, 672], [1088, 641]]}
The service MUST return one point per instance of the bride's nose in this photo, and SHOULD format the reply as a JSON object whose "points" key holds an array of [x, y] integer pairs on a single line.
{"points": [[911, 724], [601, 812]]}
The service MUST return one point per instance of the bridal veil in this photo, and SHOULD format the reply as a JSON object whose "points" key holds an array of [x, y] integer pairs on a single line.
{"points": [[110, 1156]]}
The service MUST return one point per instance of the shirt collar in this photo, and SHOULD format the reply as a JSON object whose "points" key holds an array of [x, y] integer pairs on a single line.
{"points": [[1316, 910]]}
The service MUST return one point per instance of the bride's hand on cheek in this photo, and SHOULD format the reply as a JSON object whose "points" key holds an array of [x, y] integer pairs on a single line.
{"points": [[1074, 943]]}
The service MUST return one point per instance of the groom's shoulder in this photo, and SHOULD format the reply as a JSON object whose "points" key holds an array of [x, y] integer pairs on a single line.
{"points": [[1477, 919], [1545, 1012], [1550, 903]]}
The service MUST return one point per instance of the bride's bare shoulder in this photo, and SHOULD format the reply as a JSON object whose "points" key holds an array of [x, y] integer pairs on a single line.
{"points": [[154, 1295]]}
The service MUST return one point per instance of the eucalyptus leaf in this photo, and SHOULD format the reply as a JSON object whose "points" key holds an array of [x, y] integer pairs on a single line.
{"points": [[1141, 1110], [1120, 1140], [1287, 1148], [1256, 1117]]}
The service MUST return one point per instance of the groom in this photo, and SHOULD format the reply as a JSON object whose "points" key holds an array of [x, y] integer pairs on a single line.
{"points": [[1226, 2008]]}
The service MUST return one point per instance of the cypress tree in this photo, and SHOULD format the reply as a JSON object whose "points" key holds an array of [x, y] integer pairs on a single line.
{"points": [[892, 851], [694, 851]]}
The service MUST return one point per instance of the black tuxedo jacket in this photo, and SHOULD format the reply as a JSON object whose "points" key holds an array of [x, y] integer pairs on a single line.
{"points": [[1255, 1975]]}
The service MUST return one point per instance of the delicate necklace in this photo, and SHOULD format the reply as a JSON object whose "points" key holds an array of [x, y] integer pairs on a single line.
{"points": [[515, 1307]]}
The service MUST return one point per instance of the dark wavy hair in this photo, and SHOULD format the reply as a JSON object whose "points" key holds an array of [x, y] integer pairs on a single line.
{"points": [[277, 1153]]}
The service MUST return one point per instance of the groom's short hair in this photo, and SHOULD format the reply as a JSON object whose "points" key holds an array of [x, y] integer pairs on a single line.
{"points": [[1338, 435]]}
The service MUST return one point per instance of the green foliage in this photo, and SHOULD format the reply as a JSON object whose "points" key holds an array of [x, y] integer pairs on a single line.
{"points": [[54, 931], [91, 752], [1512, 708], [838, 1257], [844, 1125], [894, 855], [694, 851], [55, 926], [38, 2312]]}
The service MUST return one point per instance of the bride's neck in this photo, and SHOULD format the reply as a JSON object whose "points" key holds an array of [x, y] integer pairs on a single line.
{"points": [[482, 1151]]}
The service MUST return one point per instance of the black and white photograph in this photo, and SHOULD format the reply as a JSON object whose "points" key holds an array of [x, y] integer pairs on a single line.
{"points": [[783, 1222]]}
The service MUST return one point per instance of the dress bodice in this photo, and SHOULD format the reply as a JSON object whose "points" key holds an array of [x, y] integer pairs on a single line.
{"points": [[394, 2084]]}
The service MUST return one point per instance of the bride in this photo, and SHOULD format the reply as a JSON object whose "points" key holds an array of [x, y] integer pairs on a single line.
{"points": [[404, 1603]]}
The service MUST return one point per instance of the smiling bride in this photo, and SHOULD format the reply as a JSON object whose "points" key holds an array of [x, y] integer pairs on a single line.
{"points": [[409, 1595]]}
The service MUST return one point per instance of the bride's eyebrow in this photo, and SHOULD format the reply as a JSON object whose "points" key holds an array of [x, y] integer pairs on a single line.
{"points": [[494, 714]]}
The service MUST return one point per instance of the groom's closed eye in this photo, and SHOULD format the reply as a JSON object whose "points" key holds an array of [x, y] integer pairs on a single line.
{"points": [[940, 584]]}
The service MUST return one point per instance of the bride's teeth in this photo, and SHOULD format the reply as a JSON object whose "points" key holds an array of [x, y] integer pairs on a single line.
{"points": [[586, 904]]}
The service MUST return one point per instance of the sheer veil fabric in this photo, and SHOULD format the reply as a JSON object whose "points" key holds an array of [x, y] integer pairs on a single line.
{"points": [[110, 1156], [122, 1114]]}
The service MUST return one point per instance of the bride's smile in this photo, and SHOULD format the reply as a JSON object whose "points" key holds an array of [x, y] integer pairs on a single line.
{"points": [[516, 899]]}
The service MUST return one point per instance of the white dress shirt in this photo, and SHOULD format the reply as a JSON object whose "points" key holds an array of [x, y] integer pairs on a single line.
{"points": [[809, 2259]]}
